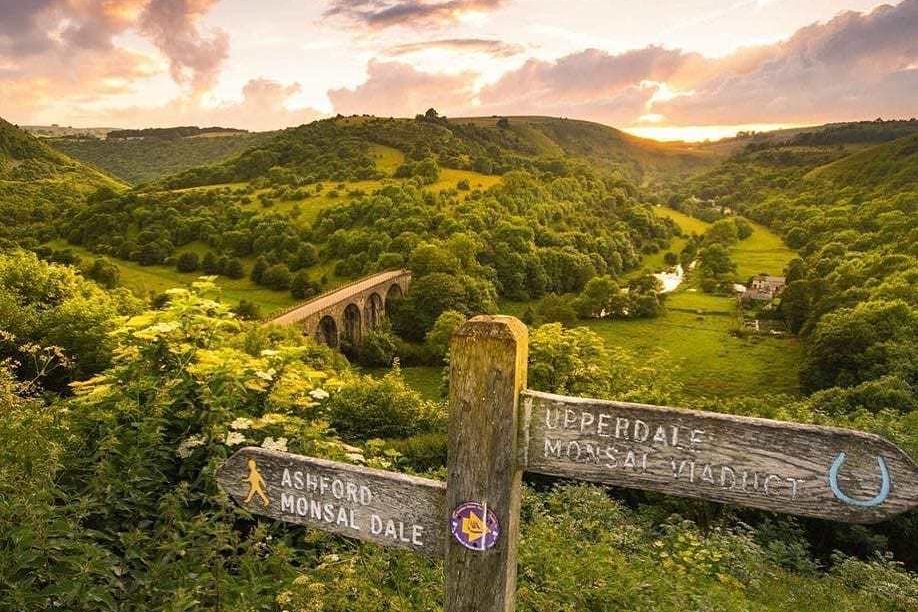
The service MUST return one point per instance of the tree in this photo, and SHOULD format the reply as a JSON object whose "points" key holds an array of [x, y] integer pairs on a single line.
{"points": [[104, 272], [429, 258], [796, 304], [670, 259], [596, 296], [234, 268], [258, 269], [302, 287], [715, 260], [743, 228], [557, 309], [853, 345], [438, 337], [50, 305], [209, 263], [722, 232], [187, 262], [247, 311], [277, 277]]}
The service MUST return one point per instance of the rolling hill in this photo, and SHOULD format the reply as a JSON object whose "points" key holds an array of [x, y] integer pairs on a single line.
{"points": [[336, 149], [146, 158], [888, 167]]}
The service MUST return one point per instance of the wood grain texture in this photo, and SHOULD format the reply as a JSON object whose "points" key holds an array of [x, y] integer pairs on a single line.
{"points": [[487, 372], [387, 508], [759, 463]]}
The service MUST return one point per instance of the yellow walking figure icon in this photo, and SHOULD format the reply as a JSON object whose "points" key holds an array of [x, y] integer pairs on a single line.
{"points": [[256, 484]]}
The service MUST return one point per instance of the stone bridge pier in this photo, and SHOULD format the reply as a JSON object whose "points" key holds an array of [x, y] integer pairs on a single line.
{"points": [[346, 314]]}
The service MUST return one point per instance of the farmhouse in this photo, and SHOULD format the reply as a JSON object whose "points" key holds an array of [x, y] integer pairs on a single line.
{"points": [[763, 288]]}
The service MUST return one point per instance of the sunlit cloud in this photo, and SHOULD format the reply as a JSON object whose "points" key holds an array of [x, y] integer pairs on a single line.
{"points": [[415, 13]]}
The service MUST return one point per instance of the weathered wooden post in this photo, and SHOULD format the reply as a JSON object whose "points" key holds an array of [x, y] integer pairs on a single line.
{"points": [[488, 357]]}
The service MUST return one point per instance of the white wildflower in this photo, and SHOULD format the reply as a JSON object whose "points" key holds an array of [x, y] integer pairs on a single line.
{"points": [[241, 423], [276, 445], [233, 438], [356, 457], [184, 448], [318, 394]]}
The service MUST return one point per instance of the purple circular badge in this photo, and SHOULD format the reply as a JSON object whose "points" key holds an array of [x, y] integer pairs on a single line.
{"points": [[475, 526]]}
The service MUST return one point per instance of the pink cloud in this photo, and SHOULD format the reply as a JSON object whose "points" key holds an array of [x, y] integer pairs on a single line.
{"points": [[194, 58], [55, 50], [854, 66], [377, 14], [397, 89], [264, 106]]}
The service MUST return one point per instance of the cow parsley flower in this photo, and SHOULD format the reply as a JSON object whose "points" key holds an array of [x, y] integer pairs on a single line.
{"points": [[185, 446], [233, 438], [276, 445], [241, 423]]}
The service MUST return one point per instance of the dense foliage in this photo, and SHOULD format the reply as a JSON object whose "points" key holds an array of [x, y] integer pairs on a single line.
{"points": [[851, 293], [44, 305], [109, 501]]}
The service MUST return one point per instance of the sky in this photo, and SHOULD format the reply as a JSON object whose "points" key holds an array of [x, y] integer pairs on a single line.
{"points": [[667, 69]]}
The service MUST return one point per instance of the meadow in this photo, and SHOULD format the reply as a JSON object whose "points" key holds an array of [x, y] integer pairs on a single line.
{"points": [[146, 280], [696, 336]]}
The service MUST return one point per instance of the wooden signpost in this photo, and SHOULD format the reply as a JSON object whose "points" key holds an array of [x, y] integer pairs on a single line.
{"points": [[498, 430]]}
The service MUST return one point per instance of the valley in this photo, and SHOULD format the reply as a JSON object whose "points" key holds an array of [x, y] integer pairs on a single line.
{"points": [[154, 375]]}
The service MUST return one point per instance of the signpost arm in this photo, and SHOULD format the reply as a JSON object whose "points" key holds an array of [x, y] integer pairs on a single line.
{"points": [[488, 356]]}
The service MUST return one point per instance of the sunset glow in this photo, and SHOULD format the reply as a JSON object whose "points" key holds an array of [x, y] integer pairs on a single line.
{"points": [[700, 133]]}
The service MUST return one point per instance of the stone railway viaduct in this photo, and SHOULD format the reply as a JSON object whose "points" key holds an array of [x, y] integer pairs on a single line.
{"points": [[345, 314]]}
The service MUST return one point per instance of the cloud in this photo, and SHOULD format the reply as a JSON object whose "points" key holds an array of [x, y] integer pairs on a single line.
{"points": [[378, 14], [264, 106], [58, 51], [854, 66], [590, 84], [494, 48], [172, 25], [399, 90]]}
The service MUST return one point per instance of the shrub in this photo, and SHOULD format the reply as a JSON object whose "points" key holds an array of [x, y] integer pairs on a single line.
{"points": [[367, 408], [277, 277], [187, 262], [378, 348], [422, 452]]}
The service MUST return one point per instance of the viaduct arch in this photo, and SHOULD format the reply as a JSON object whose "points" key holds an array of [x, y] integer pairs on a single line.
{"points": [[347, 313]]}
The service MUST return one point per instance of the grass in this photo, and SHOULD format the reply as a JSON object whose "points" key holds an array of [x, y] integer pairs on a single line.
{"points": [[425, 380], [689, 225], [701, 351], [763, 252], [144, 280]]}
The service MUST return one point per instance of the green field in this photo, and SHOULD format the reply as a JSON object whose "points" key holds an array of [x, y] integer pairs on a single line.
{"points": [[146, 280], [763, 252], [696, 333], [689, 225], [426, 380], [702, 352]]}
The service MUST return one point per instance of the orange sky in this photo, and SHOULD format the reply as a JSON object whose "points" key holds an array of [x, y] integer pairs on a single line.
{"points": [[659, 68]]}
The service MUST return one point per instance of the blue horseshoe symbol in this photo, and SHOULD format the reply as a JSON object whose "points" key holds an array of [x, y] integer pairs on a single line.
{"points": [[862, 503]]}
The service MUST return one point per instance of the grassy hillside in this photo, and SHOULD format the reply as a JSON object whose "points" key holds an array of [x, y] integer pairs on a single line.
{"points": [[141, 160], [889, 167], [40, 186]]}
